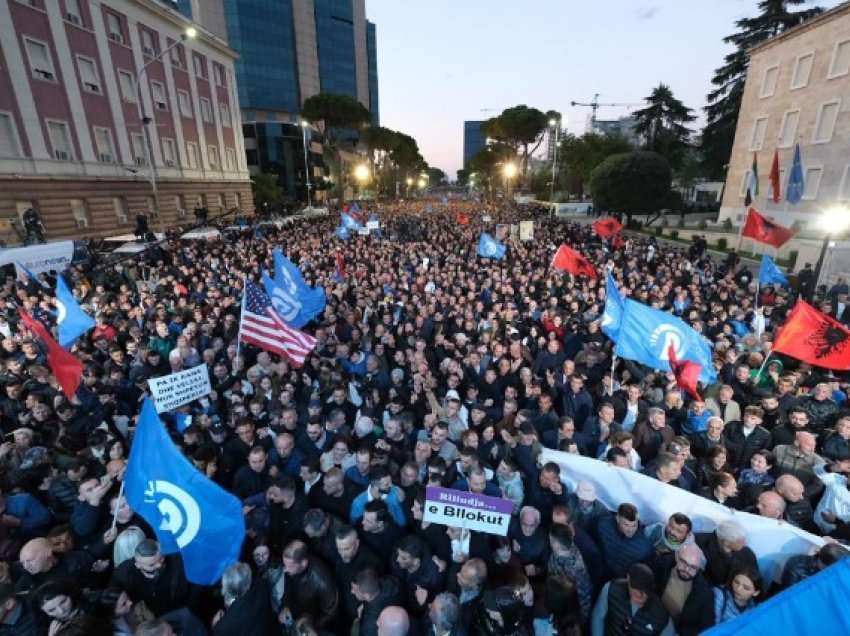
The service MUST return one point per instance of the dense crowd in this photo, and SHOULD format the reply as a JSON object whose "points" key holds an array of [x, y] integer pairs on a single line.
{"points": [[433, 367]]}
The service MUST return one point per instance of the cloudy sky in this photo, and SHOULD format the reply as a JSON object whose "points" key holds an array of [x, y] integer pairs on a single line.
{"points": [[441, 62]]}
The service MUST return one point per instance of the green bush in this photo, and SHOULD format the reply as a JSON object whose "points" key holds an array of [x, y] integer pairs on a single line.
{"points": [[722, 243], [674, 234], [659, 231]]}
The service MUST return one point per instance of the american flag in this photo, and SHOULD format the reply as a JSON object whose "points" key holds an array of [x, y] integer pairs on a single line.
{"points": [[262, 326]]}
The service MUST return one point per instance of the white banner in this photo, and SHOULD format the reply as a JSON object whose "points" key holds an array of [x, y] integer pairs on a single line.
{"points": [[373, 225], [40, 258], [180, 388], [772, 541], [526, 230]]}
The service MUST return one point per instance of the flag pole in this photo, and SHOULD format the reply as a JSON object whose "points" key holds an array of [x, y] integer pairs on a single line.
{"points": [[117, 505], [763, 365], [241, 313], [613, 364]]}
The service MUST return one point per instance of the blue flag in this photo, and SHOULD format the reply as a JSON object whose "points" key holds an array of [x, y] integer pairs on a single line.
{"points": [[189, 513], [739, 328], [796, 180], [293, 299], [258, 233], [646, 335], [182, 421], [342, 233], [488, 247], [349, 222], [73, 322], [613, 313], [769, 273]]}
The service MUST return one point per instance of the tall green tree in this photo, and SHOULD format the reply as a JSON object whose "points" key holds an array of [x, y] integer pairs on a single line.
{"points": [[724, 101], [266, 189], [635, 182], [663, 124], [522, 128], [487, 162], [335, 114], [578, 156]]}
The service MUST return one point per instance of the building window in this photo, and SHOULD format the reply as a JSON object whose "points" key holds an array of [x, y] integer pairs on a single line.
{"points": [[230, 160], [10, 145], [802, 71], [114, 27], [218, 72], [768, 82], [180, 205], [218, 201], [206, 111], [185, 103], [844, 186], [192, 155], [212, 156], [60, 140], [137, 141], [788, 131], [177, 56], [744, 183], [41, 65], [128, 86], [237, 200], [825, 124], [224, 111], [840, 64], [120, 208], [151, 206], [757, 136], [158, 91], [770, 184], [88, 74], [73, 13], [169, 153], [148, 46], [198, 63], [813, 177], [80, 213], [103, 143]]}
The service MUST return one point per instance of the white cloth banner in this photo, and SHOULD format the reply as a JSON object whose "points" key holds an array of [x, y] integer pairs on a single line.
{"points": [[772, 541], [177, 389], [40, 258]]}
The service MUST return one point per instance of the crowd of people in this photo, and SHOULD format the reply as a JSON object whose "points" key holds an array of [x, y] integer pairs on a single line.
{"points": [[433, 367]]}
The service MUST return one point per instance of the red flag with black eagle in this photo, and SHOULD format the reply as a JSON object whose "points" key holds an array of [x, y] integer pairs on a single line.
{"points": [[568, 260], [812, 336], [762, 230], [67, 369], [607, 227], [686, 372]]}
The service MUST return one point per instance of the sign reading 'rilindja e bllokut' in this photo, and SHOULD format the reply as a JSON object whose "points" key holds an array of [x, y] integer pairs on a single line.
{"points": [[467, 510]]}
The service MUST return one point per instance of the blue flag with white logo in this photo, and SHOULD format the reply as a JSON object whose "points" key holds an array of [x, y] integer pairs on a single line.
{"points": [[646, 335], [73, 322], [190, 513], [488, 247], [293, 299], [796, 180], [349, 222], [769, 273], [613, 313]]}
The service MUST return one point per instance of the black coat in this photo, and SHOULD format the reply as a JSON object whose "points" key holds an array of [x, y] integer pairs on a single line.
{"points": [[718, 564], [741, 448], [249, 615], [312, 592], [168, 591]]}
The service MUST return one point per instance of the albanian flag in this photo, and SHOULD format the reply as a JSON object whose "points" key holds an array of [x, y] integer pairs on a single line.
{"points": [[607, 227], [67, 369], [812, 336], [568, 260], [686, 372], [760, 229]]}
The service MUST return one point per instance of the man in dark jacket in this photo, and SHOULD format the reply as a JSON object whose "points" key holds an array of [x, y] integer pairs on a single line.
{"points": [[16, 618], [725, 550], [309, 588], [420, 579], [630, 606], [684, 591], [248, 610], [745, 437], [374, 593], [157, 580], [622, 540]]}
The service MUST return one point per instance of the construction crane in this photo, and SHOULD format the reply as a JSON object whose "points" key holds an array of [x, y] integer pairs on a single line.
{"points": [[594, 105]]}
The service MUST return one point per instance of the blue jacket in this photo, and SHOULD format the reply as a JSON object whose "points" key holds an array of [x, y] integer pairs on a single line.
{"points": [[619, 551], [29, 511], [358, 507]]}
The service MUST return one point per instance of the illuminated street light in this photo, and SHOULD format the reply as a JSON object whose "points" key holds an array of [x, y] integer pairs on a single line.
{"points": [[509, 170], [191, 33], [361, 173], [422, 183], [834, 221]]}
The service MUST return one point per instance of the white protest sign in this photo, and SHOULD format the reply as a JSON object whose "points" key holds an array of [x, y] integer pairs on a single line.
{"points": [[373, 225], [180, 388], [526, 230], [363, 231], [461, 509], [486, 218]]}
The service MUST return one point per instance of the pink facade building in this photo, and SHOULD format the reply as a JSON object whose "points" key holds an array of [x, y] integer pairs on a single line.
{"points": [[72, 143]]}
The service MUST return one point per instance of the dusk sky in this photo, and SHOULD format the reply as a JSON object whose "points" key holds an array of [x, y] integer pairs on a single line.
{"points": [[441, 62]]}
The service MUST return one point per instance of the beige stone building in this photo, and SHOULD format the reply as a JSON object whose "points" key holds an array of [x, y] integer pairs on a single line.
{"points": [[797, 91]]}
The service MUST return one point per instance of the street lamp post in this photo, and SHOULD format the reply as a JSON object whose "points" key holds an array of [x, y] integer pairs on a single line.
{"points": [[509, 171], [145, 121], [556, 124], [833, 221], [361, 173], [304, 125], [409, 182]]}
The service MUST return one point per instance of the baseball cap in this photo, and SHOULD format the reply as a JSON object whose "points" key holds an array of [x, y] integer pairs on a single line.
{"points": [[451, 394], [586, 491]]}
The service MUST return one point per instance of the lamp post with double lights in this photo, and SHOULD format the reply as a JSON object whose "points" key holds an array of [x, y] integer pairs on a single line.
{"points": [[145, 121]]}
